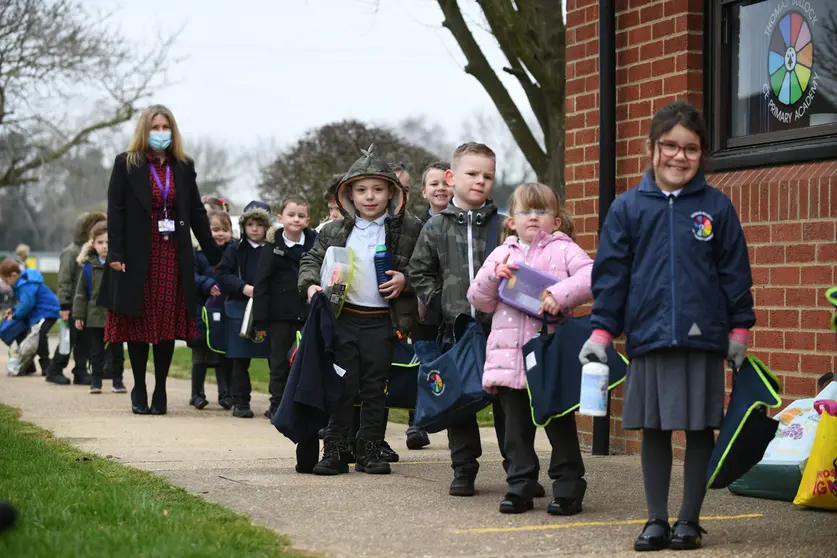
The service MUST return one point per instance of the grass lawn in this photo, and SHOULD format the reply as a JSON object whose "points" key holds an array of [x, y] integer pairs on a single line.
{"points": [[181, 367], [71, 504]]}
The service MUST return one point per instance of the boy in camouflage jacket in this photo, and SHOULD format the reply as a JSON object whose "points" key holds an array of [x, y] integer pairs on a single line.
{"points": [[367, 330]]}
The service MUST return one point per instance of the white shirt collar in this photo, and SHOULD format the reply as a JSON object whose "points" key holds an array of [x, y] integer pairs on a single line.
{"points": [[291, 243], [254, 244], [363, 224]]}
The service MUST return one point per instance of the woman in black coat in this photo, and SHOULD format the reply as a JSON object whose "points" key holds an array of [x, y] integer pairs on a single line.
{"points": [[149, 287]]}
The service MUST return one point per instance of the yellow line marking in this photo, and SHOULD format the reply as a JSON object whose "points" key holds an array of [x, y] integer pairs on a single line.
{"points": [[447, 462], [590, 524]]}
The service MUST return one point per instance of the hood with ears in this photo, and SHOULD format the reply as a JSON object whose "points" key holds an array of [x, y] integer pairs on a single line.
{"points": [[369, 165]]}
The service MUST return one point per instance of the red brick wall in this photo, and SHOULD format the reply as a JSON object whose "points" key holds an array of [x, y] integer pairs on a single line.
{"points": [[788, 212]]}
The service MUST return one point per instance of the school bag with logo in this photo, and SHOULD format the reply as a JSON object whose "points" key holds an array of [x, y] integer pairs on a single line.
{"points": [[242, 341], [553, 371], [450, 387]]}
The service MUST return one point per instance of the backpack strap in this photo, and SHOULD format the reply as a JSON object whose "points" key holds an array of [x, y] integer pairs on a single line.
{"points": [[88, 279]]}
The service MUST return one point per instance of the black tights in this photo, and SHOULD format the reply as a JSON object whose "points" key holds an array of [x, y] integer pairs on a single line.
{"points": [[138, 354], [656, 471]]}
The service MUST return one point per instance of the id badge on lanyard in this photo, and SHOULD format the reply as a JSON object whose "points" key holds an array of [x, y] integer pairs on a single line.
{"points": [[164, 225]]}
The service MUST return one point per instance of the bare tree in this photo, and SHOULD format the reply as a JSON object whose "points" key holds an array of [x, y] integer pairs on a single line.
{"points": [[217, 166], [53, 56], [532, 36]]}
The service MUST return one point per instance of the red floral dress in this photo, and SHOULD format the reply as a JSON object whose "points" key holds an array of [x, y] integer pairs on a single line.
{"points": [[163, 316]]}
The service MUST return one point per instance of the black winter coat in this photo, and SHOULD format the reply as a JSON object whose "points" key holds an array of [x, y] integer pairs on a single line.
{"points": [[232, 272], [129, 234], [276, 295]]}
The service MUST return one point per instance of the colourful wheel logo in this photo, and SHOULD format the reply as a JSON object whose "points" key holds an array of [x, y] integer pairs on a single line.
{"points": [[702, 226], [791, 58], [437, 385]]}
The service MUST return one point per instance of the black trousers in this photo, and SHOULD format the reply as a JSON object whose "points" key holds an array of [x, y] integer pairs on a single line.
{"points": [[223, 377], [104, 356], [566, 467], [466, 447], [282, 336], [240, 386], [363, 348], [81, 353], [43, 345]]}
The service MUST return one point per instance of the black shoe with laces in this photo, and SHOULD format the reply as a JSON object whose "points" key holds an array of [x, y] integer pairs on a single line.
{"points": [[686, 536], [226, 402], [118, 387], [198, 401], [96, 386], [417, 439], [386, 452], [242, 411], [564, 506], [656, 535], [369, 459], [332, 462], [512, 503], [462, 485]]}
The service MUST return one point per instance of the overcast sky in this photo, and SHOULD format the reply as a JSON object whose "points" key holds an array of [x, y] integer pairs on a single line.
{"points": [[256, 69]]}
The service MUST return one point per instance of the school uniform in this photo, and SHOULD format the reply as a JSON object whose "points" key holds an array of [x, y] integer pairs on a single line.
{"points": [[280, 310]]}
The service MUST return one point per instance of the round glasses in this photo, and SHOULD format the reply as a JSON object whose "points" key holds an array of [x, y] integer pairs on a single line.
{"points": [[671, 149]]}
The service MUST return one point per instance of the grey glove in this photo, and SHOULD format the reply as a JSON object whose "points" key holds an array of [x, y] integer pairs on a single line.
{"points": [[592, 351], [736, 352]]}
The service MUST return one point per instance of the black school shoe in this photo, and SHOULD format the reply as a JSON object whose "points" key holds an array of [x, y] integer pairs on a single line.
{"points": [[386, 452], [512, 503], [198, 401], [226, 402], [332, 462], [242, 411], [58, 379], [564, 506], [82, 379], [417, 439], [118, 387], [648, 542], [369, 458], [462, 485], [686, 536]]}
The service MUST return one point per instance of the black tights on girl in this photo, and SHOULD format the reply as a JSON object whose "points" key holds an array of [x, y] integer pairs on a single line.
{"points": [[138, 354], [656, 473]]}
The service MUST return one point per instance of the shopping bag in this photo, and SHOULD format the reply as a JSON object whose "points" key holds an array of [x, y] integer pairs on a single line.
{"points": [[450, 387], [214, 320], [237, 346], [747, 430], [553, 371], [818, 488], [778, 474]]}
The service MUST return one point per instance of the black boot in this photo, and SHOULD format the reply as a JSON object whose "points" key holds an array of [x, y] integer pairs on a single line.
{"points": [[369, 458], [386, 452], [462, 484], [332, 462]]}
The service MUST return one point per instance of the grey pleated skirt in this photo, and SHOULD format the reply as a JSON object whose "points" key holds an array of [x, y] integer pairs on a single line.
{"points": [[674, 389]]}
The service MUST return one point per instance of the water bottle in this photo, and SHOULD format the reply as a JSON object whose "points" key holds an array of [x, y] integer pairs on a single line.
{"points": [[594, 380], [64, 338], [383, 263]]}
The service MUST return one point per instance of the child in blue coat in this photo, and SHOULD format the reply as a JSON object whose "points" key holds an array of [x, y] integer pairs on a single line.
{"points": [[35, 302], [203, 357], [672, 272]]}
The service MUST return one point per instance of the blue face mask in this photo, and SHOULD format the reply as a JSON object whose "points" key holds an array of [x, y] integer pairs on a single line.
{"points": [[159, 141]]}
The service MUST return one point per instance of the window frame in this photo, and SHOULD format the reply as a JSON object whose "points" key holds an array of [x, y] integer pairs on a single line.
{"points": [[757, 150]]}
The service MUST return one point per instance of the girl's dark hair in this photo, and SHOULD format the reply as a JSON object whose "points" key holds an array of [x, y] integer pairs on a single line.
{"points": [[678, 112], [222, 216]]}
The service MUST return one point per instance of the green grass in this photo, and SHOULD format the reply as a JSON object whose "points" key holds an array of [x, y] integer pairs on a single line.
{"points": [[181, 367], [72, 504]]}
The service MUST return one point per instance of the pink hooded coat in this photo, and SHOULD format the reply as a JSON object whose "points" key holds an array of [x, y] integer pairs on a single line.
{"points": [[555, 254]]}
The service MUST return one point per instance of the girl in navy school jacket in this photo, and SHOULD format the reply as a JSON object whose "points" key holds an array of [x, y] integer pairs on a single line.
{"points": [[672, 272]]}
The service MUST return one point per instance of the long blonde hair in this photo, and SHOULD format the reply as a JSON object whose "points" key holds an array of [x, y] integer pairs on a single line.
{"points": [[534, 195], [139, 142]]}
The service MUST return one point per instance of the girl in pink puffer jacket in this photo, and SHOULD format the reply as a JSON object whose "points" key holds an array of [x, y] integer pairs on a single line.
{"points": [[535, 215]]}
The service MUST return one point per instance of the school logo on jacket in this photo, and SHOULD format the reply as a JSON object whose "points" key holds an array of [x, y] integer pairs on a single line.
{"points": [[702, 225], [437, 385]]}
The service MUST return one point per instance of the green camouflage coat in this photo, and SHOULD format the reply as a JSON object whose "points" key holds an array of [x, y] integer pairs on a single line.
{"points": [[444, 262], [402, 231]]}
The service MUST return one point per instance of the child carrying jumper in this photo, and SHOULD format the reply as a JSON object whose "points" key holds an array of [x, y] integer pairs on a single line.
{"points": [[91, 318], [206, 284], [672, 272], [373, 202], [536, 220], [280, 311], [237, 274]]}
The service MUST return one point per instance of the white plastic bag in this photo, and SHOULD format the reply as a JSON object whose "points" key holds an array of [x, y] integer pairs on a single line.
{"points": [[13, 364], [28, 348], [64, 338], [336, 276]]}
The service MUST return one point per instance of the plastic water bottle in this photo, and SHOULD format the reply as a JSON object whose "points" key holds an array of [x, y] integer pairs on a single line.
{"points": [[64, 338], [383, 263], [594, 379]]}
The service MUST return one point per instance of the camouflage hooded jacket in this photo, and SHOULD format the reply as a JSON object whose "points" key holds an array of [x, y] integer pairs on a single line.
{"points": [[449, 252], [402, 231]]}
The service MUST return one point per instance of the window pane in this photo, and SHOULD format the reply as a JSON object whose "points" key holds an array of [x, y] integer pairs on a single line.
{"points": [[783, 65]]}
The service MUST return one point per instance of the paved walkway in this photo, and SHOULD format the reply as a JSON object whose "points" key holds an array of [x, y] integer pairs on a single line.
{"points": [[246, 465]]}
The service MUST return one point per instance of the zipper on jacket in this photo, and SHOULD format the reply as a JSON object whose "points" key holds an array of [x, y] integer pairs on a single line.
{"points": [[471, 258], [671, 264]]}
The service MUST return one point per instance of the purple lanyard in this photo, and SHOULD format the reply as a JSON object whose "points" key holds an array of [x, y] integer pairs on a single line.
{"points": [[163, 190]]}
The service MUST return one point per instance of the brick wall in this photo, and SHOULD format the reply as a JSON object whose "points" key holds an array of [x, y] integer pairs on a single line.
{"points": [[788, 212]]}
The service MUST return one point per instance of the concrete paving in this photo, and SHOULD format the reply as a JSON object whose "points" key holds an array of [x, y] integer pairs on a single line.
{"points": [[247, 466]]}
